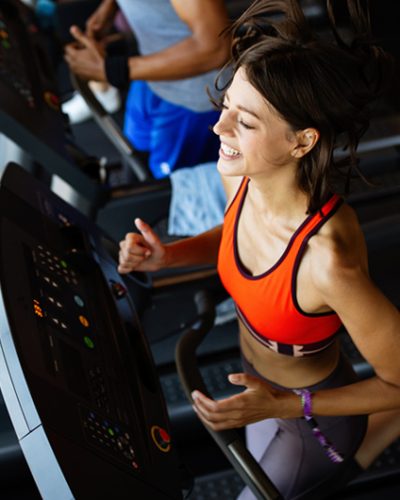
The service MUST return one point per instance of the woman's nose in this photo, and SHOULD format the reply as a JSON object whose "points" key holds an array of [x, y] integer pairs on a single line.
{"points": [[223, 125]]}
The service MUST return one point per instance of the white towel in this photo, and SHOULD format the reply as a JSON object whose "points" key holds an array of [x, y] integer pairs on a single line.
{"points": [[198, 200]]}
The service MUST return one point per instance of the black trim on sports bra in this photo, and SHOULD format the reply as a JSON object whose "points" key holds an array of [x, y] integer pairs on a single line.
{"points": [[238, 262], [295, 350], [298, 260]]}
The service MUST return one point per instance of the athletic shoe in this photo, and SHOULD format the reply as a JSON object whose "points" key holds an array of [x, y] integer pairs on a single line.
{"points": [[78, 111]]}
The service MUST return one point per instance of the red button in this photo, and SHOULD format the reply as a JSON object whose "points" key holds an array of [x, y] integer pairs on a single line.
{"points": [[164, 435]]}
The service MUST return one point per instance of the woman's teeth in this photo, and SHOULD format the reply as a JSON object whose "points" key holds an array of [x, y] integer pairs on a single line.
{"points": [[229, 151]]}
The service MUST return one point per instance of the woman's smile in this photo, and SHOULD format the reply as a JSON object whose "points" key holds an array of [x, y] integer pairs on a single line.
{"points": [[228, 153]]}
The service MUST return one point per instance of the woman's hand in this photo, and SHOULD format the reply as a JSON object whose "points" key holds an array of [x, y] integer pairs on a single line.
{"points": [[141, 252], [257, 402]]}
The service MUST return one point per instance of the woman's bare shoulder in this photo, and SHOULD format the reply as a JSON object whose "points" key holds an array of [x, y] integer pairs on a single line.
{"points": [[339, 247]]}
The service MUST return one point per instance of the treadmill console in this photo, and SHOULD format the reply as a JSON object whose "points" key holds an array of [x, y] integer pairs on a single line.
{"points": [[30, 113], [78, 378], [28, 89]]}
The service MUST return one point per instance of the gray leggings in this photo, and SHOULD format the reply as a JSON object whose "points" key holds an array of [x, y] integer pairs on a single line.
{"points": [[293, 458]]}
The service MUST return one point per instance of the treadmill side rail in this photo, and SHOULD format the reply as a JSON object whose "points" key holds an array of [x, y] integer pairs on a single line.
{"points": [[44, 466], [13, 384]]}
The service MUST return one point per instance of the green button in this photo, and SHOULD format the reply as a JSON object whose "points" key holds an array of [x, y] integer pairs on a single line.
{"points": [[88, 342], [111, 432], [64, 264]]}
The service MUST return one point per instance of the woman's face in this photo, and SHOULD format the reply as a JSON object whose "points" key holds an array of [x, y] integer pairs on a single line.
{"points": [[255, 140]]}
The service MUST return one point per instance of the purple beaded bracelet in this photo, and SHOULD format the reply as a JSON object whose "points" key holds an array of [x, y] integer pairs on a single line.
{"points": [[306, 404]]}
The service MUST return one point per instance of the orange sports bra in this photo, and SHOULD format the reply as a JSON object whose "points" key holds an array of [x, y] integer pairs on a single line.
{"points": [[267, 303]]}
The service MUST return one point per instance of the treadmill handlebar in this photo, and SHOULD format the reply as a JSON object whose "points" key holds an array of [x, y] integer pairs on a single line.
{"points": [[191, 379], [111, 130]]}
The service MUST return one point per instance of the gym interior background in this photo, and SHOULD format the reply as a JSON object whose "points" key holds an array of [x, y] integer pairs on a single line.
{"points": [[68, 429]]}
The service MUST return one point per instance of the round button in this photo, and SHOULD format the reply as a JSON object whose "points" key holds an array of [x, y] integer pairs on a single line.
{"points": [[161, 438], [118, 290], [52, 100], [88, 342], [78, 301], [84, 321], [164, 436]]}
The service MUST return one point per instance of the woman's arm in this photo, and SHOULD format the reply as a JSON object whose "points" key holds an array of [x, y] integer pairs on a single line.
{"points": [[145, 252], [339, 273], [371, 320]]}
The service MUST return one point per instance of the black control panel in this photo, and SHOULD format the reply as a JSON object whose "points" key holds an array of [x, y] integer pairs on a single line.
{"points": [[28, 88], [84, 359], [12, 70], [30, 112]]}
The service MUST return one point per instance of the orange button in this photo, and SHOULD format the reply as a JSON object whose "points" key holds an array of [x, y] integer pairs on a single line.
{"points": [[84, 321]]}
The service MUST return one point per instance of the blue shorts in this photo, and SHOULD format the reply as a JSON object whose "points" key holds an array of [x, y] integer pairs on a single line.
{"points": [[173, 135]]}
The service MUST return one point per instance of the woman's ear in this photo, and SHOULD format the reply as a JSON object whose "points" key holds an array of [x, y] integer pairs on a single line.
{"points": [[305, 141]]}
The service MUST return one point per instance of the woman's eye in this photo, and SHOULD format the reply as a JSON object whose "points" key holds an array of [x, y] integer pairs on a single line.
{"points": [[245, 125]]}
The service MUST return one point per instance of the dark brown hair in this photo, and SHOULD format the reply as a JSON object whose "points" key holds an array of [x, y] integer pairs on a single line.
{"points": [[312, 82]]}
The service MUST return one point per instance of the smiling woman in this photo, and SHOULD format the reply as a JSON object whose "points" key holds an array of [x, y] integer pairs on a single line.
{"points": [[292, 255], [247, 121]]}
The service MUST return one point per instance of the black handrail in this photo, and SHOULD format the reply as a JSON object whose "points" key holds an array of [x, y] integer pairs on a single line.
{"points": [[229, 441], [112, 130]]}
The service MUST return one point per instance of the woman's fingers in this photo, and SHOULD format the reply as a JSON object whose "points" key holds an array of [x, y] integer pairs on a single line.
{"points": [[133, 251], [218, 410], [212, 416], [257, 402], [141, 251], [148, 234], [217, 426]]}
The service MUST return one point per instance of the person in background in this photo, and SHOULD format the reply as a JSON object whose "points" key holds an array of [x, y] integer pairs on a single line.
{"points": [[52, 15], [292, 255], [168, 112]]}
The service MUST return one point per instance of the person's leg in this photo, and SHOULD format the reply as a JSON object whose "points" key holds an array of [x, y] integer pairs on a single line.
{"points": [[197, 142], [260, 435], [137, 119], [174, 136], [383, 429], [296, 462], [181, 138]]}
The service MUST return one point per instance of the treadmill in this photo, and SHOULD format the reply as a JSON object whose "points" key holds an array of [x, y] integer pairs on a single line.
{"points": [[30, 115], [177, 407], [77, 375], [76, 371]]}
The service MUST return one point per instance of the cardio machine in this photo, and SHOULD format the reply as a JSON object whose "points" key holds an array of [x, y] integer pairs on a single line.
{"points": [[55, 163], [77, 375], [30, 115], [76, 371]]}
